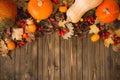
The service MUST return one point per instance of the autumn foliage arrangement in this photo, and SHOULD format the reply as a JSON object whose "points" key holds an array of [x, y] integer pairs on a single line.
{"points": [[19, 25]]}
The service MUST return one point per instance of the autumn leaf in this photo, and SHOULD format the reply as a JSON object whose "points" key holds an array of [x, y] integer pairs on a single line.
{"points": [[108, 41], [3, 48], [29, 21], [71, 31], [117, 32], [94, 29], [62, 23], [17, 33]]}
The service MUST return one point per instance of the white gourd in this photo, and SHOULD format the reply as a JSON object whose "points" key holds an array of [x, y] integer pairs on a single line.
{"points": [[79, 8]]}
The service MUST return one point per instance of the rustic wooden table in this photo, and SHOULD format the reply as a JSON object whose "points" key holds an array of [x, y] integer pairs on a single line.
{"points": [[53, 58]]}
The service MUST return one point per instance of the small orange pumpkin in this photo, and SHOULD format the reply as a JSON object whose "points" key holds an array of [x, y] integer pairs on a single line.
{"points": [[31, 28], [63, 9], [8, 13], [40, 9], [107, 11], [11, 45], [95, 37]]}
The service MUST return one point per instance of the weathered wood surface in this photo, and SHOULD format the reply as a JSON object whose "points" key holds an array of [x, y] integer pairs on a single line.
{"points": [[53, 58]]}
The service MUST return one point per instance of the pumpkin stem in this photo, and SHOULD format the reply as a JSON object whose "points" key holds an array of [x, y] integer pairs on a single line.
{"points": [[106, 10], [40, 3]]}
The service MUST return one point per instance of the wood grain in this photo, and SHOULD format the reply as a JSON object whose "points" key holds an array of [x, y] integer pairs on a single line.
{"points": [[53, 58]]}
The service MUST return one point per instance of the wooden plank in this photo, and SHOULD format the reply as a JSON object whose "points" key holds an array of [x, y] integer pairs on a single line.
{"points": [[23, 62], [112, 64], [85, 60], [28, 62], [40, 58], [62, 63], [68, 51], [34, 60], [45, 58], [17, 64], [12, 65], [102, 63], [107, 64], [51, 57], [74, 59], [115, 65], [91, 59], [5, 68], [79, 56], [97, 74], [57, 57]]}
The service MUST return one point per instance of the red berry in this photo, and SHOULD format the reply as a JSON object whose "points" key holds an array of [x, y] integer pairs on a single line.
{"points": [[107, 33], [48, 20], [61, 33], [103, 37], [115, 43], [22, 42], [42, 27], [115, 36], [103, 34], [118, 40], [92, 18], [56, 1], [22, 23], [38, 28]]}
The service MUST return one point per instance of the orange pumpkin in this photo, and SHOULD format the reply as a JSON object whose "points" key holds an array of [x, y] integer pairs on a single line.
{"points": [[63, 9], [8, 10], [11, 45], [31, 28], [107, 11], [8, 14], [118, 16], [40, 9], [95, 37]]}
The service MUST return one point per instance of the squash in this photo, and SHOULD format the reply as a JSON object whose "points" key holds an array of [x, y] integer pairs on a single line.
{"points": [[8, 13], [40, 9], [79, 8], [107, 11]]}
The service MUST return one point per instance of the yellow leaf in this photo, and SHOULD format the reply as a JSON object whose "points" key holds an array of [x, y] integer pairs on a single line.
{"points": [[108, 41], [94, 29], [62, 23]]}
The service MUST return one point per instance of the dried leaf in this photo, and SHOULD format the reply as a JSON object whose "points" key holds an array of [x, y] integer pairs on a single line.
{"points": [[29, 21], [117, 32], [108, 41], [62, 23], [17, 33], [94, 29], [3, 48], [71, 31]]}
